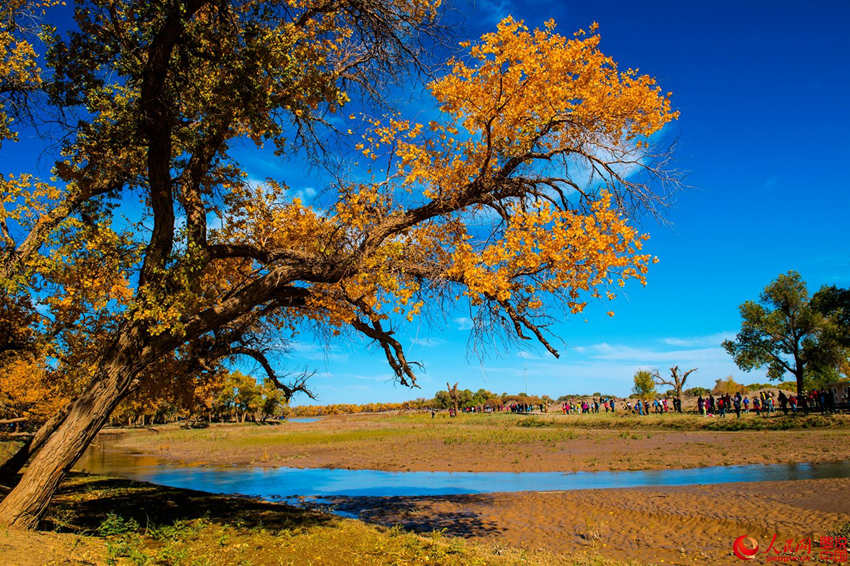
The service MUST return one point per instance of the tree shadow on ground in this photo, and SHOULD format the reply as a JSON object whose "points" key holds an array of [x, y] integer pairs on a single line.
{"points": [[83, 502], [422, 514]]}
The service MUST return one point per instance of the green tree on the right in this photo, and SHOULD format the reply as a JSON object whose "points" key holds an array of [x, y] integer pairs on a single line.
{"points": [[789, 332]]}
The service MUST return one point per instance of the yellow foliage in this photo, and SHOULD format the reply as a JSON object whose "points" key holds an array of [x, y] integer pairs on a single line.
{"points": [[519, 97], [19, 70], [26, 390]]}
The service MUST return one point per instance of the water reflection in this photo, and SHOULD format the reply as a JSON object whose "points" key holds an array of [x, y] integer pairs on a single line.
{"points": [[277, 483]]}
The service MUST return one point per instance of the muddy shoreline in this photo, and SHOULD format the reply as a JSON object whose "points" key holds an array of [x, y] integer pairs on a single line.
{"points": [[380, 444]]}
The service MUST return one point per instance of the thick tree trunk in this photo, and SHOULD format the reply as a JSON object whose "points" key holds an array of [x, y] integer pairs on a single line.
{"points": [[799, 386], [13, 465], [25, 504]]}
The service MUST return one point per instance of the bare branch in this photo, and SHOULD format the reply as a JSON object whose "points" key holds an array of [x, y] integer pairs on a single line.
{"points": [[393, 349], [299, 384]]}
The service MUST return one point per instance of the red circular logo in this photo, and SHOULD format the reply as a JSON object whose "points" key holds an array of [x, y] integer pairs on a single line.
{"points": [[745, 547]]}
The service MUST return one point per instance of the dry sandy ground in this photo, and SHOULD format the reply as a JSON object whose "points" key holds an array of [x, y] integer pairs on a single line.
{"points": [[379, 444], [21, 548], [673, 525], [679, 525]]}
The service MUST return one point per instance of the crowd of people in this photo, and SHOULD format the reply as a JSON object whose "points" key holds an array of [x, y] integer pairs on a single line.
{"points": [[609, 405], [593, 406], [659, 406], [761, 403], [764, 403], [518, 408], [525, 407]]}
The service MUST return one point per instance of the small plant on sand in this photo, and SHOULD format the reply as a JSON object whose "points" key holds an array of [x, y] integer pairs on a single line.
{"points": [[842, 531], [128, 546], [115, 525], [179, 530]]}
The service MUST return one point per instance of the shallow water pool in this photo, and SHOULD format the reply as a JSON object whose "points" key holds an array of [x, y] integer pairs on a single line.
{"points": [[276, 483]]}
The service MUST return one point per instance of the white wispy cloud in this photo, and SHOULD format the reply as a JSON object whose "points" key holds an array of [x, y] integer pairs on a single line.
{"points": [[427, 342], [526, 355], [463, 323], [308, 351], [371, 377], [698, 341], [620, 352], [494, 11], [255, 182], [305, 194], [322, 375]]}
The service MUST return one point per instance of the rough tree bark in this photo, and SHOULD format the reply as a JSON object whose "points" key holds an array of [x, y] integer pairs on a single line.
{"points": [[18, 460], [24, 505], [801, 393]]}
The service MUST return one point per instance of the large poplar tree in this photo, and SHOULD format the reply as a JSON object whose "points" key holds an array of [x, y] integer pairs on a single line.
{"points": [[517, 200]]}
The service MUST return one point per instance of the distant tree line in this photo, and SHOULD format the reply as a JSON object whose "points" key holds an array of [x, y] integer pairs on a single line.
{"points": [[483, 398], [225, 396], [354, 408], [441, 401]]}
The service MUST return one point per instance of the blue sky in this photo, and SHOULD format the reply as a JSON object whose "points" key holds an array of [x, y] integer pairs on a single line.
{"points": [[764, 136]]}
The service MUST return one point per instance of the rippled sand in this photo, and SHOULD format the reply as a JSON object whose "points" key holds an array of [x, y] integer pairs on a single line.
{"points": [[674, 525]]}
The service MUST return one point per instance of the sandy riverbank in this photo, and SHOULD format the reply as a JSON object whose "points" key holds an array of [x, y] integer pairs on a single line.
{"points": [[678, 525], [483, 444], [672, 525]]}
